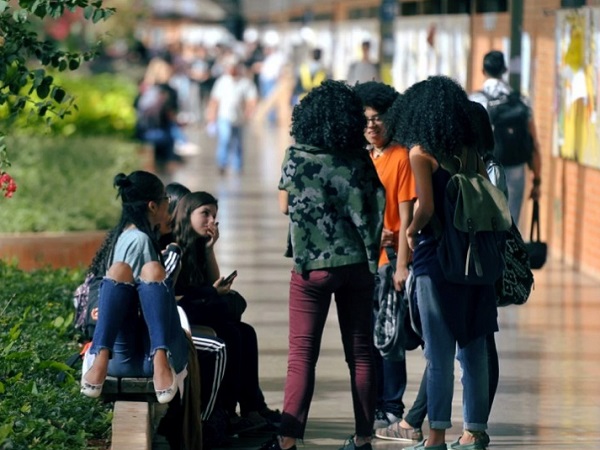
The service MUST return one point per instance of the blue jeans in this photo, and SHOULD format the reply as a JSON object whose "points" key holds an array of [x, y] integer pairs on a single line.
{"points": [[416, 415], [266, 87], [440, 348], [229, 141], [133, 338], [515, 183]]}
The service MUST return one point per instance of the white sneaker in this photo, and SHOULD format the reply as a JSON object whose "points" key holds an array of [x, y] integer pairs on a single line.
{"points": [[384, 419]]}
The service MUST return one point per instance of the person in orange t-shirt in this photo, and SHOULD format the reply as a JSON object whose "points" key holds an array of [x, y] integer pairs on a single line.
{"points": [[393, 167]]}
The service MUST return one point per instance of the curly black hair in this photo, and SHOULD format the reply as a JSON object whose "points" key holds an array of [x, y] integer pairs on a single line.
{"points": [[376, 95], [330, 116], [435, 114]]}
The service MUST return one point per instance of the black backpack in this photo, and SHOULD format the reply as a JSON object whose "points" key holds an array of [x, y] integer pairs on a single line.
{"points": [[85, 301], [509, 115]]}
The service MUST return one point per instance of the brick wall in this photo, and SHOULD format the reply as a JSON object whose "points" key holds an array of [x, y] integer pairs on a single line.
{"points": [[36, 250], [570, 192]]}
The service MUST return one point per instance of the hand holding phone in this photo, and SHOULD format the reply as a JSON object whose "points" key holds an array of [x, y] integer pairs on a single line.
{"points": [[228, 279]]}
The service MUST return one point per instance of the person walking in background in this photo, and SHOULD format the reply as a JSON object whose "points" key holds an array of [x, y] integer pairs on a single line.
{"points": [[335, 202], [232, 102], [493, 90], [393, 168], [433, 117], [270, 69], [310, 75], [364, 69]]}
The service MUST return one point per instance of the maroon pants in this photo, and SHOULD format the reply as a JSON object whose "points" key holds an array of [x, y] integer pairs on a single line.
{"points": [[310, 298]]}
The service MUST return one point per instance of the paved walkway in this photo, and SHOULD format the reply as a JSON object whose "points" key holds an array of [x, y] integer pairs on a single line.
{"points": [[549, 394]]}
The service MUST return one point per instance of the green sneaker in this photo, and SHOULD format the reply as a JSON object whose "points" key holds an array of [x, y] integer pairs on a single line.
{"points": [[481, 442], [421, 446]]}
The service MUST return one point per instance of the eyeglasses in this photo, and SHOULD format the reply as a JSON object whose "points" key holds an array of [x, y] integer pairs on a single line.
{"points": [[374, 119]]}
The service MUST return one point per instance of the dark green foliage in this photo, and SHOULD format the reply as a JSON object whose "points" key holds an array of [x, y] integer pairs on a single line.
{"points": [[37, 410], [104, 106], [65, 184], [26, 55]]}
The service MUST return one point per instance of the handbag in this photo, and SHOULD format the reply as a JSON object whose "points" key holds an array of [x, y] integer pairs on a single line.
{"points": [[514, 286], [393, 333], [537, 249]]}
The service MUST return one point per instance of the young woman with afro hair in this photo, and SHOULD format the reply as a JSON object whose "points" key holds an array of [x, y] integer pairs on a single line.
{"points": [[433, 119], [335, 202]]}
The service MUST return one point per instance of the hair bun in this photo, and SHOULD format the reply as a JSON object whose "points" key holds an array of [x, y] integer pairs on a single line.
{"points": [[122, 181]]}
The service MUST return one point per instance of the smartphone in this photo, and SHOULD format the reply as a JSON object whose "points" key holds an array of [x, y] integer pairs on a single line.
{"points": [[229, 278]]}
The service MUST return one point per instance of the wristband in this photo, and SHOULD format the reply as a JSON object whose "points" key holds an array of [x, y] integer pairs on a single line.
{"points": [[537, 181]]}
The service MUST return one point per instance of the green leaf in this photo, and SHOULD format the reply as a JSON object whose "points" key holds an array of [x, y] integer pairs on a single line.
{"points": [[98, 16], [88, 12], [42, 91], [74, 64], [3, 6], [58, 94], [5, 431]]}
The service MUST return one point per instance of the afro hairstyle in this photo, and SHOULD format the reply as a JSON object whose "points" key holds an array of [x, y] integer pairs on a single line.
{"points": [[376, 95], [330, 116], [435, 114]]}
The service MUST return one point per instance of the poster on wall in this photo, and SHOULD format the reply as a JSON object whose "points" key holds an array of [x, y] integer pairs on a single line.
{"points": [[577, 131]]}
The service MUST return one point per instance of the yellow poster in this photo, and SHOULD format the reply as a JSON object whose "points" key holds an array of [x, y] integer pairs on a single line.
{"points": [[577, 86]]}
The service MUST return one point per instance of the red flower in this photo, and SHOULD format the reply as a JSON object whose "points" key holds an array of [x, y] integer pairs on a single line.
{"points": [[7, 185]]}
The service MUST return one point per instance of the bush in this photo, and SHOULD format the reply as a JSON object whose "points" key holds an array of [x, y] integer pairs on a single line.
{"points": [[104, 106], [39, 409], [65, 184]]}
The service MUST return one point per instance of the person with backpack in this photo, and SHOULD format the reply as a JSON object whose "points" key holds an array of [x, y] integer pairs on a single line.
{"points": [[138, 333], [432, 118], [516, 144], [410, 426]]}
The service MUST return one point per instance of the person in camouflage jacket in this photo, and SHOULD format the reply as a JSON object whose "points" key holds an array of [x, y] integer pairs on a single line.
{"points": [[335, 201]]}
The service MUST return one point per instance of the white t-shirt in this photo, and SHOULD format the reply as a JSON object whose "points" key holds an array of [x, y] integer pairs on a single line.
{"points": [[232, 93]]}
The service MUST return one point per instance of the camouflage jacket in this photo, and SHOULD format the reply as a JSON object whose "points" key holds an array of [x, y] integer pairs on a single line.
{"points": [[335, 205]]}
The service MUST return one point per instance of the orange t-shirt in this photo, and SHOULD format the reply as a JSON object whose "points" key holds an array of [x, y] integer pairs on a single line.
{"points": [[393, 168]]}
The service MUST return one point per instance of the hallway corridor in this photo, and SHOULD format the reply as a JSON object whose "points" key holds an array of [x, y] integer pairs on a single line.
{"points": [[549, 392]]}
